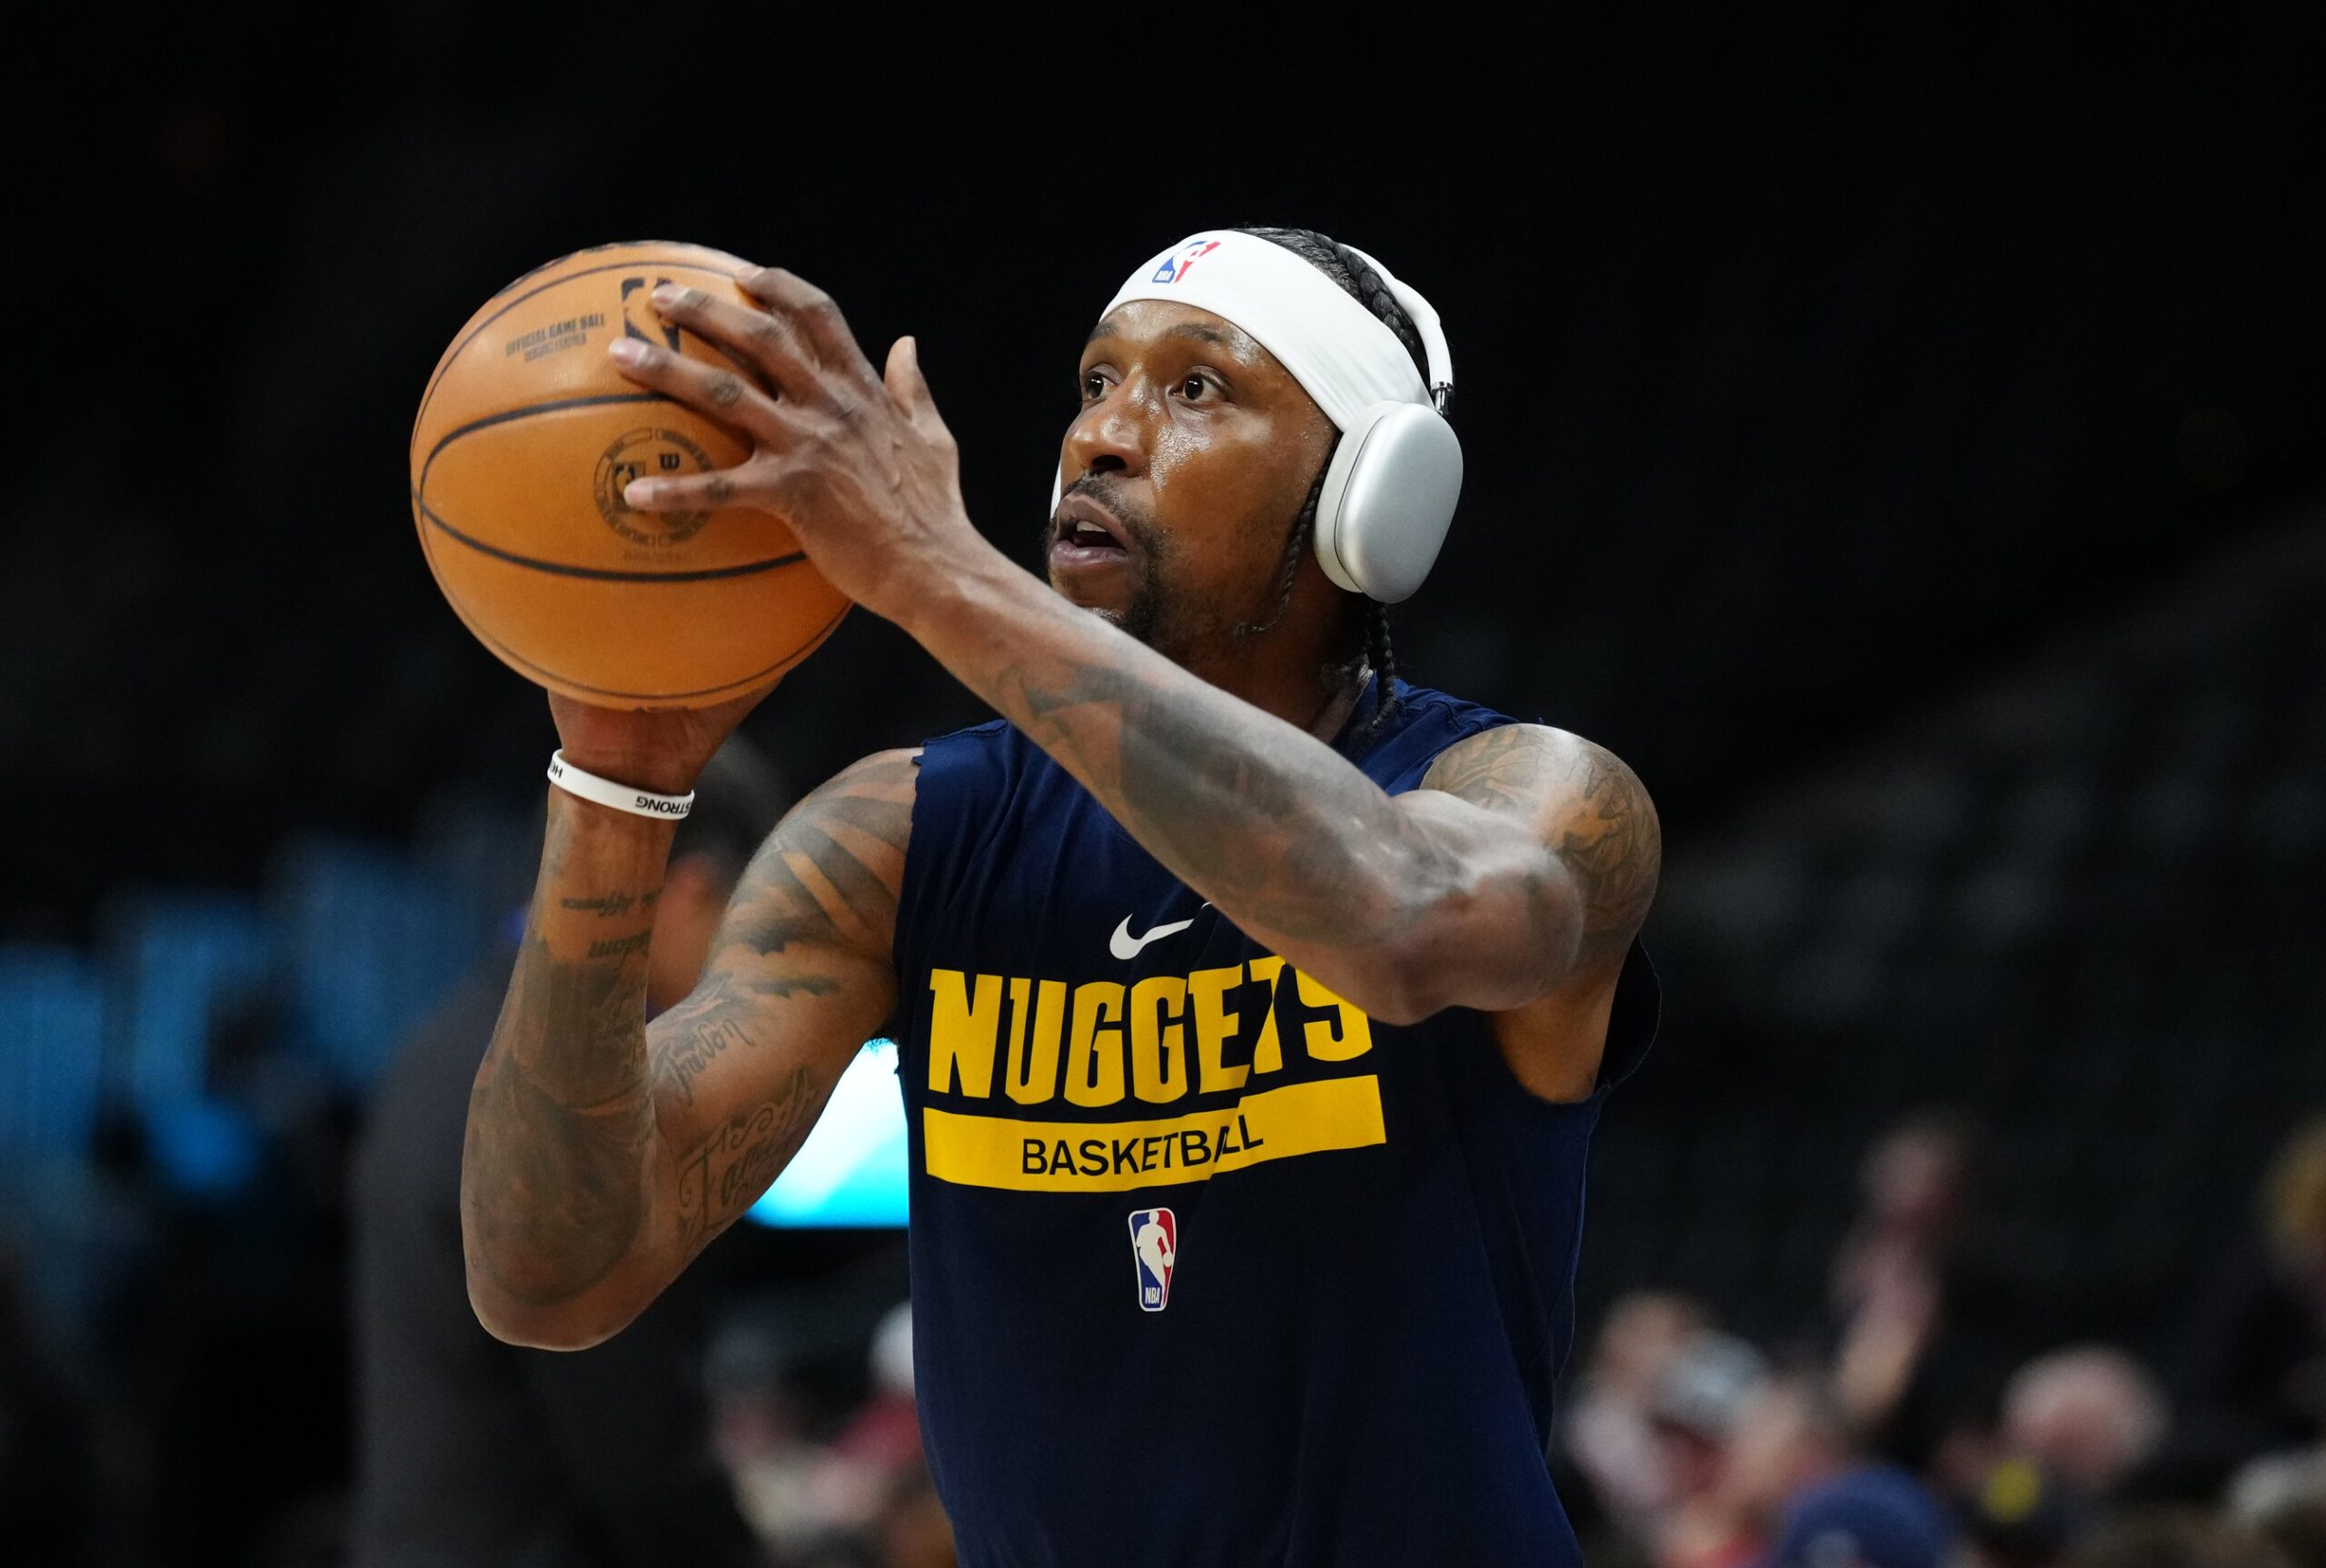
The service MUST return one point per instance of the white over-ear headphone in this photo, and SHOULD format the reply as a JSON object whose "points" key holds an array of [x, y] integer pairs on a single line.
{"points": [[1391, 488], [1394, 477], [1388, 497]]}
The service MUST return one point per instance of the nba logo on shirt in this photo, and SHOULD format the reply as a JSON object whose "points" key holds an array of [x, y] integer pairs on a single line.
{"points": [[1174, 268], [1155, 1251]]}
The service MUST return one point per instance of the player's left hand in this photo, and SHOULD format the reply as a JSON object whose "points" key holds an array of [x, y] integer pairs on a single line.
{"points": [[858, 463]]}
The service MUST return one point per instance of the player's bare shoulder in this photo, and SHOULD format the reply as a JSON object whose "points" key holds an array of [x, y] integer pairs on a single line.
{"points": [[1590, 809], [832, 871]]}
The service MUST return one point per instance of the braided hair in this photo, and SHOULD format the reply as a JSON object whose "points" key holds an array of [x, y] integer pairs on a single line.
{"points": [[1362, 284]]}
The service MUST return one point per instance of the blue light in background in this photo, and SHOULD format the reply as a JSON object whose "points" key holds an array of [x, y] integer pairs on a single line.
{"points": [[850, 1173]]}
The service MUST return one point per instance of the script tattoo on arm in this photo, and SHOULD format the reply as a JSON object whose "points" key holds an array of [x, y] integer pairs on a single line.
{"points": [[812, 923], [598, 1143], [739, 1161]]}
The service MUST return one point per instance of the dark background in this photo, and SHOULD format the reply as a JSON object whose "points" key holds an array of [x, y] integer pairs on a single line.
{"points": [[1804, 380], [1871, 427]]}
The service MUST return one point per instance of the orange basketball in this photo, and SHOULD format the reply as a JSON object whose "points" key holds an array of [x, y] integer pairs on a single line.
{"points": [[525, 440]]}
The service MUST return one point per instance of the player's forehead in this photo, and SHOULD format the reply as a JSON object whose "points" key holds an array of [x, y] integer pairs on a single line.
{"points": [[1139, 325]]}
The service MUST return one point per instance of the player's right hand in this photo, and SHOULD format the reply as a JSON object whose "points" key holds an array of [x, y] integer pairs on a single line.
{"points": [[657, 748]]}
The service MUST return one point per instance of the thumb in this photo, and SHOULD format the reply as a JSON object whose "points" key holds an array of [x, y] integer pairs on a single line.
{"points": [[907, 387]]}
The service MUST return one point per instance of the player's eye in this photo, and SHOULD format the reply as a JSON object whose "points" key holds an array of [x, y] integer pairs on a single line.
{"points": [[1094, 386], [1195, 386]]}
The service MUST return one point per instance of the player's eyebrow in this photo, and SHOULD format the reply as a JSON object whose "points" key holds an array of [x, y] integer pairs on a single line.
{"points": [[1201, 333], [1195, 330]]}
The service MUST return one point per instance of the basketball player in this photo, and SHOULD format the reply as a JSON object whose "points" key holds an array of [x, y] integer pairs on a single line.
{"points": [[1218, 930]]}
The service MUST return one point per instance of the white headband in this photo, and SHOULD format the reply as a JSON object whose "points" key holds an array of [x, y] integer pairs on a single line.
{"points": [[1341, 354]]}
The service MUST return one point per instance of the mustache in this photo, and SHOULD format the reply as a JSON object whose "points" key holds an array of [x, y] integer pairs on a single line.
{"points": [[1108, 492]]}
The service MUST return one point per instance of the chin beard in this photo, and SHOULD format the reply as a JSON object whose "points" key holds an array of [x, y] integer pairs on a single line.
{"points": [[1155, 615], [1150, 618], [1144, 618]]}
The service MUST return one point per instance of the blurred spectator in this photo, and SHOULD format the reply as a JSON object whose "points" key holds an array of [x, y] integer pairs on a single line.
{"points": [[2177, 1538], [1912, 1189], [2089, 1416], [1925, 1317], [1789, 1438], [1886, 1284], [2277, 1482], [245, 1291], [1877, 1517], [2259, 1380], [886, 1433], [811, 1499], [474, 1451], [1610, 1433], [2020, 1517], [1698, 1399]]}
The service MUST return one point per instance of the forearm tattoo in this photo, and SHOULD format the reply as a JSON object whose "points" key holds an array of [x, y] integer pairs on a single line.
{"points": [[562, 1116], [567, 1158], [1299, 845], [1238, 803]]}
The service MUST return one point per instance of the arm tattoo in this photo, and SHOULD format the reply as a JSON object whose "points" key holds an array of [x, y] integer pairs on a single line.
{"points": [[826, 881], [739, 1160], [560, 1124], [1602, 827], [611, 905], [1241, 804], [699, 1029], [1285, 835], [831, 872], [580, 1115]]}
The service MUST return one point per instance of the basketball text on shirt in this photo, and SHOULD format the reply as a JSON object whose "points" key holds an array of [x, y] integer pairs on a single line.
{"points": [[1257, 1061]]}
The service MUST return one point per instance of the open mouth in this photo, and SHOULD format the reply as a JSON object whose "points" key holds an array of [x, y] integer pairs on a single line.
{"points": [[1085, 534]]}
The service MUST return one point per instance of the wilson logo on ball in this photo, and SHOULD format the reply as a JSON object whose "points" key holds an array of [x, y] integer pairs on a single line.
{"points": [[642, 454]]}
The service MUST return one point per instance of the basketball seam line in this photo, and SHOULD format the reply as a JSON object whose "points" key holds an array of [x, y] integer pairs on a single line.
{"points": [[556, 405], [601, 573], [782, 665]]}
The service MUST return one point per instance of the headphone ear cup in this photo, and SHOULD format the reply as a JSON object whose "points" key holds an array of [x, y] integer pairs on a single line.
{"points": [[1325, 535], [1389, 497]]}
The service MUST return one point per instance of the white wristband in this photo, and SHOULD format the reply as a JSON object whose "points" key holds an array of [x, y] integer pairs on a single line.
{"points": [[620, 797]]}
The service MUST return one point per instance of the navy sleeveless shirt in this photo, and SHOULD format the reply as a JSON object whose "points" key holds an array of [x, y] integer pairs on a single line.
{"points": [[1209, 1269]]}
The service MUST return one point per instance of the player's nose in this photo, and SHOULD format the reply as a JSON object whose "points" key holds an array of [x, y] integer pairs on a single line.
{"points": [[1108, 436]]}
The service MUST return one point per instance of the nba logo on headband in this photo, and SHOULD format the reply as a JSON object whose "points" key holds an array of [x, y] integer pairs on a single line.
{"points": [[1175, 267]]}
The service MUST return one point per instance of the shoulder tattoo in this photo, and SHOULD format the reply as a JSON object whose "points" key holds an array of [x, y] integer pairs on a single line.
{"points": [[1593, 811], [831, 872]]}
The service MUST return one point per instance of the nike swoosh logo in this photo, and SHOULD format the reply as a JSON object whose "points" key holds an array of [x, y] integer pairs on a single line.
{"points": [[1126, 946]]}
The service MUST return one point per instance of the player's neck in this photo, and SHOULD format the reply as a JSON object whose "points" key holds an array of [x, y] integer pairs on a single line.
{"points": [[1299, 671]]}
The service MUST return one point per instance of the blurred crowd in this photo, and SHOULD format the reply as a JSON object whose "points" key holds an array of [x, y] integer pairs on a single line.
{"points": [[235, 1326], [1907, 1423], [849, 1493], [1914, 1420], [212, 1411]]}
